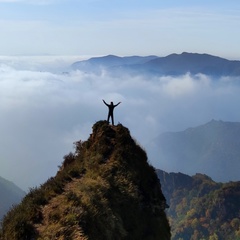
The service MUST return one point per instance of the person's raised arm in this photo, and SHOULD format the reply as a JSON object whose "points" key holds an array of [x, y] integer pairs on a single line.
{"points": [[105, 103], [117, 104]]}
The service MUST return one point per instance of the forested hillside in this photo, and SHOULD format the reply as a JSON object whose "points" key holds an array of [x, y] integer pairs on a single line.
{"points": [[201, 208]]}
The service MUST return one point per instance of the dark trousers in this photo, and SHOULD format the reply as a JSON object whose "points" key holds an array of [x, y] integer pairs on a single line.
{"points": [[111, 115]]}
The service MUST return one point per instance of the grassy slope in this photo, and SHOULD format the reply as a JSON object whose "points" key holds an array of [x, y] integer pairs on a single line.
{"points": [[105, 190]]}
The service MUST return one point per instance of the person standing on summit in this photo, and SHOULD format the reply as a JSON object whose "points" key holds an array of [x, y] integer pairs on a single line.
{"points": [[111, 106]]}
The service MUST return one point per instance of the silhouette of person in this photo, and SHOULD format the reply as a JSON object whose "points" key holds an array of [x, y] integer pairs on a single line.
{"points": [[111, 106]]}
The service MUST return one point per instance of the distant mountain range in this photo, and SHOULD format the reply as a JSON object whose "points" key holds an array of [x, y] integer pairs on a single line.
{"points": [[200, 208], [212, 149], [173, 64], [10, 194]]}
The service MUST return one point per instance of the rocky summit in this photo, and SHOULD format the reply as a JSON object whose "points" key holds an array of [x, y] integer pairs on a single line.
{"points": [[104, 190]]}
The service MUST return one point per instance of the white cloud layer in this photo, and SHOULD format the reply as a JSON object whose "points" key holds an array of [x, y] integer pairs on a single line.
{"points": [[43, 111]]}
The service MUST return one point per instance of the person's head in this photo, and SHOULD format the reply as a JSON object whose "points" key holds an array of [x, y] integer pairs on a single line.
{"points": [[111, 103]]}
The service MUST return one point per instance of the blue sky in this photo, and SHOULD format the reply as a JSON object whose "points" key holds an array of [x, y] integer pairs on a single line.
{"points": [[101, 27]]}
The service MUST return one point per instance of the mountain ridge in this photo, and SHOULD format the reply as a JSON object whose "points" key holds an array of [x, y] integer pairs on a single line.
{"points": [[173, 64], [105, 190], [212, 148]]}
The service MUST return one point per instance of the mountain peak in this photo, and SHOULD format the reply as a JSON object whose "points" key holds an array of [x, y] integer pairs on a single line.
{"points": [[105, 190]]}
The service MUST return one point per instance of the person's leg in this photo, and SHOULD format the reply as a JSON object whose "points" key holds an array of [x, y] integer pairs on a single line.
{"points": [[112, 120], [108, 117]]}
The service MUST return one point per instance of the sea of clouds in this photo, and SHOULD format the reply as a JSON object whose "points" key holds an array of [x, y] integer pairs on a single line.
{"points": [[45, 107]]}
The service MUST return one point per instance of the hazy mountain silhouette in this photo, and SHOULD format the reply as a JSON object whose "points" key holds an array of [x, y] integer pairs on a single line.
{"points": [[105, 190], [194, 63], [173, 64], [212, 149], [10, 194], [110, 63], [201, 208]]}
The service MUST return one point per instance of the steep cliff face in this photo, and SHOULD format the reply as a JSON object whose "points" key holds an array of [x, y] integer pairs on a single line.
{"points": [[105, 190]]}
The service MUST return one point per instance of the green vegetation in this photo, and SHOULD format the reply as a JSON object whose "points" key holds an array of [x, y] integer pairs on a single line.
{"points": [[105, 190], [201, 208]]}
